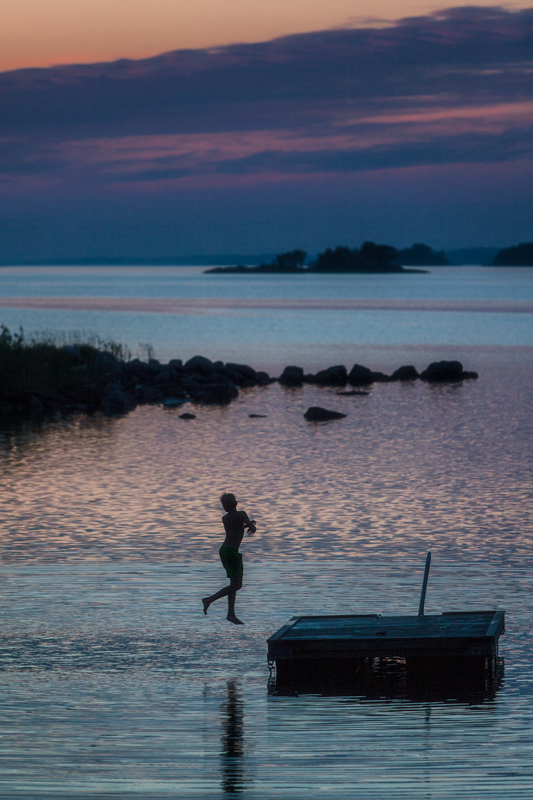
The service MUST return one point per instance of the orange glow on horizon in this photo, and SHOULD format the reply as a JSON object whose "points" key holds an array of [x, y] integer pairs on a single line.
{"points": [[37, 34]]}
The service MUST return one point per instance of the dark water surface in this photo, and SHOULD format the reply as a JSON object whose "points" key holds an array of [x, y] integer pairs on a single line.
{"points": [[116, 686]]}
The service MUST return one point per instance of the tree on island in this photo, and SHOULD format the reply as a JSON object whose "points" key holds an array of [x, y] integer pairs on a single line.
{"points": [[370, 257], [519, 256], [420, 255], [292, 261]]}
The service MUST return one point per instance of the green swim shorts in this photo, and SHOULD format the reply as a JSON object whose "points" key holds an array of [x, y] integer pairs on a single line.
{"points": [[232, 562]]}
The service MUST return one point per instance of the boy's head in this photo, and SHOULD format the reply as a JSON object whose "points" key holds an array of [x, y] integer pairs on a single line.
{"points": [[229, 503]]}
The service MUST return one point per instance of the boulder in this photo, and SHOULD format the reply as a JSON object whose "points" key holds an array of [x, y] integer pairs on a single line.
{"points": [[248, 373], [443, 372], [214, 394], [174, 402], [116, 403], [263, 378], [167, 376], [187, 415], [151, 394], [470, 375], [380, 377], [257, 416], [199, 364], [137, 368], [193, 383], [292, 376], [154, 367], [318, 414], [241, 374], [360, 376], [407, 373], [332, 376]]}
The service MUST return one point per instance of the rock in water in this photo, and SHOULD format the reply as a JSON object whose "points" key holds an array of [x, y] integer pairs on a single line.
{"points": [[360, 375], [332, 376], [446, 371], [318, 414], [406, 373], [116, 403], [187, 416], [199, 364], [292, 376], [173, 402]]}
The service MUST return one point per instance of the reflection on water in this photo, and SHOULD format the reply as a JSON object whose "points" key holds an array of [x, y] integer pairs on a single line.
{"points": [[232, 741], [411, 468], [442, 679]]}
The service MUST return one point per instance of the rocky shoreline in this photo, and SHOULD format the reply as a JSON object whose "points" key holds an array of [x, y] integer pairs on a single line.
{"points": [[113, 387]]}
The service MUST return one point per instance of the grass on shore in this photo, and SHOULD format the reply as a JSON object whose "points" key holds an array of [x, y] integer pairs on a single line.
{"points": [[50, 362]]}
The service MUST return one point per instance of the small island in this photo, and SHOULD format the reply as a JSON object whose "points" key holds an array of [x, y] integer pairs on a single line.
{"points": [[519, 256], [370, 258]]}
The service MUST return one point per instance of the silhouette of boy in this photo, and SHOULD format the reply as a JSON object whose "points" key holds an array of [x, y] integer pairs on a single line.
{"points": [[234, 524]]}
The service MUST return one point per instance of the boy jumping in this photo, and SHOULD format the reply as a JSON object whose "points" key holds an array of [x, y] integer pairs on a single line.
{"points": [[234, 524]]}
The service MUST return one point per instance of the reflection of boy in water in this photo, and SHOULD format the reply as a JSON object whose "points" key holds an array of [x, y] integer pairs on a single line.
{"points": [[234, 524]]}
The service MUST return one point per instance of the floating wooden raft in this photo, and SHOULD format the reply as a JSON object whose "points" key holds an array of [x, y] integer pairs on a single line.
{"points": [[458, 642]]}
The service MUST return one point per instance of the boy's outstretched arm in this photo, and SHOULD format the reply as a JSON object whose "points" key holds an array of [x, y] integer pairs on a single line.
{"points": [[248, 523]]}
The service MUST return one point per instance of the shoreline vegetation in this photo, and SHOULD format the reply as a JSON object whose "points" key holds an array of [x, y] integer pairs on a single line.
{"points": [[45, 377]]}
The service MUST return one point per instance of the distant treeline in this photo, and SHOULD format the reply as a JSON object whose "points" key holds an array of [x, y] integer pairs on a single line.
{"points": [[370, 257], [373, 258]]}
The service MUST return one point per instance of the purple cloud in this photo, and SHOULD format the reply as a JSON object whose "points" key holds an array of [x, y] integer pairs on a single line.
{"points": [[449, 88]]}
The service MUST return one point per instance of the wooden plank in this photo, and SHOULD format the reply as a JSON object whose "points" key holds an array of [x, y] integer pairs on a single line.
{"points": [[467, 613], [292, 622]]}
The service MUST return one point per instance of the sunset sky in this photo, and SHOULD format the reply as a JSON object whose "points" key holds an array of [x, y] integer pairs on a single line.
{"points": [[40, 34], [352, 124]]}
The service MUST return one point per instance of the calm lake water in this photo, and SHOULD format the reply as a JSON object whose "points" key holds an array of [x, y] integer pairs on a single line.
{"points": [[117, 686]]}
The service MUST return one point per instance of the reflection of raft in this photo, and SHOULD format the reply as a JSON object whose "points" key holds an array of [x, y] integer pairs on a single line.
{"points": [[450, 646]]}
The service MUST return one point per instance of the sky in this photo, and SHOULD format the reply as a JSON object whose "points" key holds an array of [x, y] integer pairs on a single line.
{"points": [[162, 131]]}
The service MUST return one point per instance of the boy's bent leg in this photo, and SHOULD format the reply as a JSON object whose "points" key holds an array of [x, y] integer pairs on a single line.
{"points": [[211, 599], [234, 586]]}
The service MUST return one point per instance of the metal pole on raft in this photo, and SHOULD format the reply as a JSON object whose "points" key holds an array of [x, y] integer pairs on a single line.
{"points": [[424, 586]]}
